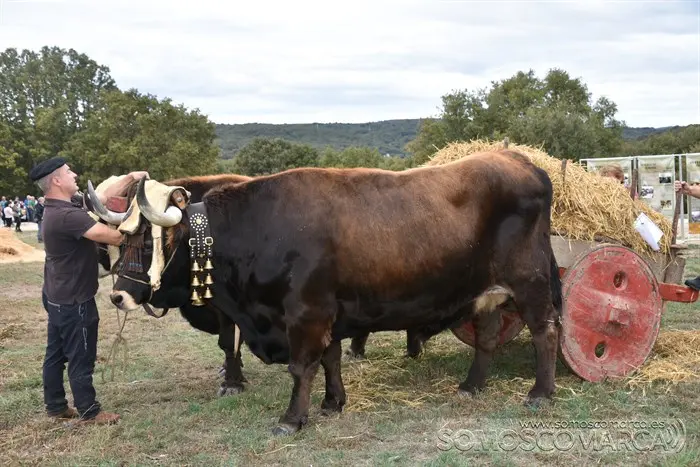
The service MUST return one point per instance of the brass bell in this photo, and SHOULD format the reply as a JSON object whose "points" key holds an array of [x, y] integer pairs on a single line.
{"points": [[198, 302], [208, 266], [195, 282], [195, 296], [208, 280], [195, 267], [208, 294]]}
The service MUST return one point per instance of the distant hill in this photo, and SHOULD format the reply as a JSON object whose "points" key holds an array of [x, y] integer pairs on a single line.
{"points": [[389, 136], [630, 133]]}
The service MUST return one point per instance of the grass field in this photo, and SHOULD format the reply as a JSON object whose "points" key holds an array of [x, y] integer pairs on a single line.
{"points": [[165, 389]]}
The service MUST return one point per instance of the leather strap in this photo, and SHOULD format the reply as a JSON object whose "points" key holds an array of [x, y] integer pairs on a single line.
{"points": [[201, 252], [149, 310]]}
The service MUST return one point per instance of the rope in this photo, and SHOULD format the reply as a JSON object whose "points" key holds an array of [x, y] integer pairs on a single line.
{"points": [[118, 342]]}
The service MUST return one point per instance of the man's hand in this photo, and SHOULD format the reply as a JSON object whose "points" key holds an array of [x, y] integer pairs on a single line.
{"points": [[682, 187], [690, 190], [138, 175]]}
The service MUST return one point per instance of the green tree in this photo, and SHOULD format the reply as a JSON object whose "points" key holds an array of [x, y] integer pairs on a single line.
{"points": [[351, 157], [134, 131], [555, 112], [263, 156], [45, 98], [12, 175], [361, 157]]}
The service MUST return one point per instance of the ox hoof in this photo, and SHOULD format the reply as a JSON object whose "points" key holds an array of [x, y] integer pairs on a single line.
{"points": [[535, 403], [413, 355], [354, 356], [285, 429], [230, 390], [331, 407], [469, 390]]}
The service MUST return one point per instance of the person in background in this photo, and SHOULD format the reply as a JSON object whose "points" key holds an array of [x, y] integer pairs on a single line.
{"points": [[694, 191], [613, 171], [70, 286], [9, 214], [3, 205], [17, 212], [39, 217], [30, 204]]}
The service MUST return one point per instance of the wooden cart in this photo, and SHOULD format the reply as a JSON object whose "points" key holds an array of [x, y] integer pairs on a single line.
{"points": [[613, 302]]}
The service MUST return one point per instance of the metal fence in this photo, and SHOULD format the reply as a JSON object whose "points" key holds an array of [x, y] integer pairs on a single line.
{"points": [[655, 176]]}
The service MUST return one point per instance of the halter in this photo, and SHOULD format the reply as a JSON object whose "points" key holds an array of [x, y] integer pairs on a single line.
{"points": [[200, 243]]}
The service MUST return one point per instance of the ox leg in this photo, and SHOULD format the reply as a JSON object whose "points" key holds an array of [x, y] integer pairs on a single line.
{"points": [[233, 375], [335, 390], [487, 326], [307, 343], [414, 343], [416, 338], [357, 347], [535, 305]]}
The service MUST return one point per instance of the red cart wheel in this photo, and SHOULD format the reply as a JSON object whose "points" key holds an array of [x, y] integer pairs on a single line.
{"points": [[612, 313], [511, 327]]}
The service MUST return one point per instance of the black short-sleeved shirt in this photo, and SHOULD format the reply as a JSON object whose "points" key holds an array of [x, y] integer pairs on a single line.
{"points": [[70, 271]]}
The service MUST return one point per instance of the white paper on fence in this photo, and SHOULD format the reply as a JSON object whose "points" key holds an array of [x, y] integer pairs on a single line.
{"points": [[649, 231]]}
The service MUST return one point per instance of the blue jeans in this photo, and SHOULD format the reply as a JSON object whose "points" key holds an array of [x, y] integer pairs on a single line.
{"points": [[72, 339], [38, 232]]}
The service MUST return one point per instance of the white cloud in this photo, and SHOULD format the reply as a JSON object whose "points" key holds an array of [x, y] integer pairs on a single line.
{"points": [[305, 61]]}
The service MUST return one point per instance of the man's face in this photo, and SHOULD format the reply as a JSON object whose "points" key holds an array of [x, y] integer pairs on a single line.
{"points": [[66, 180]]}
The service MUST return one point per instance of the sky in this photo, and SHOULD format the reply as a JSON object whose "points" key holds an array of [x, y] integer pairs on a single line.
{"points": [[362, 61]]}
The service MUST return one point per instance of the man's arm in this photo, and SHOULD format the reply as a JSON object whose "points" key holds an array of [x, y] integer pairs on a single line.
{"points": [[102, 234], [119, 188]]}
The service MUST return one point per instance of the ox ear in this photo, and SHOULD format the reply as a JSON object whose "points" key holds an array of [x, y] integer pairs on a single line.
{"points": [[180, 198]]}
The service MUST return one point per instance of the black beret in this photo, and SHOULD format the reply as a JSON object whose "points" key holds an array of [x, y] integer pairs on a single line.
{"points": [[42, 169]]}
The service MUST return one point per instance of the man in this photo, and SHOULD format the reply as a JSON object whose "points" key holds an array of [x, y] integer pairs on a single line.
{"points": [[694, 191], [613, 171], [38, 217], [9, 214], [3, 205], [70, 286]]}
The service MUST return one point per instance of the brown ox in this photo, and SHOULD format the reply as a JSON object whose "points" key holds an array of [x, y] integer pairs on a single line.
{"points": [[208, 319], [308, 257]]}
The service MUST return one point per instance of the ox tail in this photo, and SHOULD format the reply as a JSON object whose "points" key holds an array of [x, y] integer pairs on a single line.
{"points": [[555, 285]]}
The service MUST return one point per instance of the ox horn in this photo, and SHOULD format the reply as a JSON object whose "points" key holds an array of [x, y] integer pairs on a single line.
{"points": [[171, 216], [96, 206]]}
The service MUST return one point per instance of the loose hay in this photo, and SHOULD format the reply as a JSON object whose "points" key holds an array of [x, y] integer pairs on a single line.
{"points": [[586, 206], [14, 250], [675, 358], [369, 385], [387, 378], [390, 379]]}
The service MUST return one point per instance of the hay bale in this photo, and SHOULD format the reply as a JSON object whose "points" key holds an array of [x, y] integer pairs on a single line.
{"points": [[14, 250], [586, 206]]}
